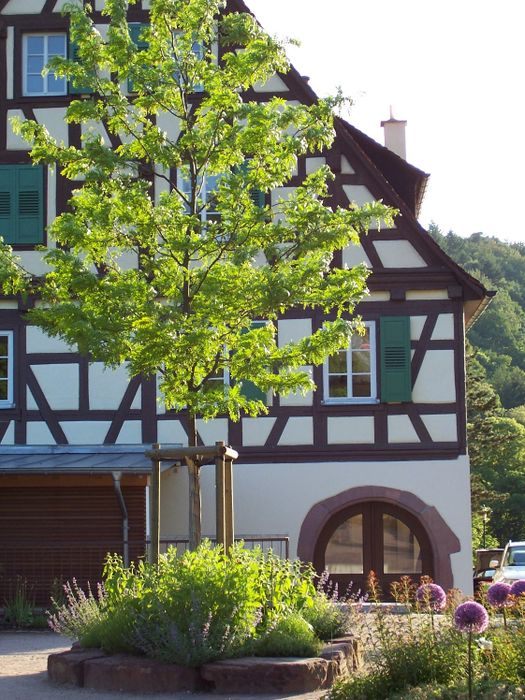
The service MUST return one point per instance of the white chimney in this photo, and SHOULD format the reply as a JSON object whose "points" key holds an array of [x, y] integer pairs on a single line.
{"points": [[395, 137]]}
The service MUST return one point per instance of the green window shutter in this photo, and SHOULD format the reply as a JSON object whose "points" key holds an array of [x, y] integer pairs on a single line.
{"points": [[257, 196], [135, 30], [30, 204], [396, 380], [72, 87], [250, 390], [7, 203], [21, 204]]}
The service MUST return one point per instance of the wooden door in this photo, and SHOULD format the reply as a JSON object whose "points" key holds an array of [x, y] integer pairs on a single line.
{"points": [[373, 536]]}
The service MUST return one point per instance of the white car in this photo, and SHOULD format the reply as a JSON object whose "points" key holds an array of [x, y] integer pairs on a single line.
{"points": [[512, 566]]}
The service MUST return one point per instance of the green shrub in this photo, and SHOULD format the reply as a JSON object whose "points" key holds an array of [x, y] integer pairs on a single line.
{"points": [[18, 607], [327, 618], [483, 690], [290, 636]]}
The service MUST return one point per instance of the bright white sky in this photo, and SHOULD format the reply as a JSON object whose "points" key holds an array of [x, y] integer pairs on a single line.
{"points": [[454, 69]]}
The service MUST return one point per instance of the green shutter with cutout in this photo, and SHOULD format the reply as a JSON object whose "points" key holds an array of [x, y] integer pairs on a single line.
{"points": [[72, 87], [396, 380], [248, 389], [22, 204], [257, 196]]}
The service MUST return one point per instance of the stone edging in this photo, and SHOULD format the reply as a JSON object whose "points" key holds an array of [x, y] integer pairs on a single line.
{"points": [[91, 668]]}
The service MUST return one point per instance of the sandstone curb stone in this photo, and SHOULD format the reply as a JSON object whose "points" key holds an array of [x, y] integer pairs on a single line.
{"points": [[139, 675], [67, 667]]}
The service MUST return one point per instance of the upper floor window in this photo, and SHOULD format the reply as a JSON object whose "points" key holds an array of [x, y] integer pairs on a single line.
{"points": [[22, 204], [6, 369], [350, 375], [38, 50], [208, 185]]}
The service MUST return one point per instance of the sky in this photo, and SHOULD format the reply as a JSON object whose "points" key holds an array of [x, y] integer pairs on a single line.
{"points": [[454, 69]]}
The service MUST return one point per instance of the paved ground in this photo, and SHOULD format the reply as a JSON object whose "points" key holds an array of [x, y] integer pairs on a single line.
{"points": [[23, 674]]}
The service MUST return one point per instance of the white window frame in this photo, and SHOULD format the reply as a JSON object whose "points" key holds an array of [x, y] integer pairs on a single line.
{"points": [[45, 35], [9, 401], [349, 399]]}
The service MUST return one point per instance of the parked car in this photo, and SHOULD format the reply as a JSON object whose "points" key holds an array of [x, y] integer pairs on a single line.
{"points": [[511, 567], [487, 561]]}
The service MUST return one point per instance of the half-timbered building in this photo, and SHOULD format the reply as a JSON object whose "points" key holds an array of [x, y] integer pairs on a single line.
{"points": [[369, 472]]}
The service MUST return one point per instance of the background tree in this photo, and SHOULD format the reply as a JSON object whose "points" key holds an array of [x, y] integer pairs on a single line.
{"points": [[209, 257]]}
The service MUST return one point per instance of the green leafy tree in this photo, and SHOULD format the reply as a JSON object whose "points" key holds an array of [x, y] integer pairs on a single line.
{"points": [[211, 257]]}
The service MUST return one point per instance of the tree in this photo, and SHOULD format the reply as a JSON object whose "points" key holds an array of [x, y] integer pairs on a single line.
{"points": [[211, 256]]}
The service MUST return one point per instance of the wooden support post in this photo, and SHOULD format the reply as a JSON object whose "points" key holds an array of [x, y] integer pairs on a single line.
{"points": [[228, 504], [195, 535], [154, 510], [220, 530]]}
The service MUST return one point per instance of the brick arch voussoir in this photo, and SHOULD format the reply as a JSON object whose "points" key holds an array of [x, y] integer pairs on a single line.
{"points": [[442, 539]]}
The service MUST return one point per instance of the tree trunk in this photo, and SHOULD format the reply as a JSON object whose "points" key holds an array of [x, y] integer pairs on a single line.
{"points": [[195, 507]]}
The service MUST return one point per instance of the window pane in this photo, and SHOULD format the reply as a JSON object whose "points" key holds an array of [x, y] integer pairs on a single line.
{"points": [[3, 368], [338, 386], [337, 363], [361, 361], [3, 345], [35, 45], [3, 390], [344, 552], [56, 46], [35, 83], [361, 341], [55, 85], [35, 64], [361, 385], [401, 551]]}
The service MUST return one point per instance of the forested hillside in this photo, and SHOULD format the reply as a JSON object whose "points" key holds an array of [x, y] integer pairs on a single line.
{"points": [[496, 383]]}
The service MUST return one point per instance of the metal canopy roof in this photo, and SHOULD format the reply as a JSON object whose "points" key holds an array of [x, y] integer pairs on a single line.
{"points": [[74, 459]]}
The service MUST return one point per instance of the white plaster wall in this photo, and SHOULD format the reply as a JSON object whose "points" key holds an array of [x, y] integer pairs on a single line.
{"points": [[399, 253], [9, 436], [400, 429], [14, 141], [23, 7], [255, 431], [9, 53], [53, 119], [60, 385], [444, 329], [4, 304], [39, 434], [416, 326], [275, 498], [296, 398], [38, 341], [171, 432], [347, 430], [435, 382], [85, 432], [313, 164], [130, 433], [358, 194], [291, 331], [442, 427], [426, 294], [107, 386], [346, 168], [299, 430], [376, 296], [355, 255], [32, 261], [274, 84], [213, 431]]}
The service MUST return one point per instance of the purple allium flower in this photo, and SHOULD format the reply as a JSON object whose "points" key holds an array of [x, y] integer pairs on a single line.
{"points": [[498, 594], [518, 588], [471, 617], [431, 596]]}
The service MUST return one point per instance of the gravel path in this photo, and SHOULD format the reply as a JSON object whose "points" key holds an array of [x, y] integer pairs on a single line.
{"points": [[23, 674]]}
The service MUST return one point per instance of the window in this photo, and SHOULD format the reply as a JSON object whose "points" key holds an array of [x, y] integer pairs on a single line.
{"points": [[208, 187], [6, 369], [38, 50], [350, 375], [21, 204]]}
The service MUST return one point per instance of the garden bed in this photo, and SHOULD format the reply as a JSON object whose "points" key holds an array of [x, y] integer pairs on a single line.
{"points": [[91, 668]]}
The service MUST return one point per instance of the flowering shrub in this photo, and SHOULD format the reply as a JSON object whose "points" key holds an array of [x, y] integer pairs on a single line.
{"points": [[498, 595], [432, 597], [200, 606]]}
